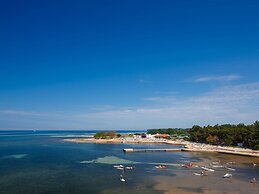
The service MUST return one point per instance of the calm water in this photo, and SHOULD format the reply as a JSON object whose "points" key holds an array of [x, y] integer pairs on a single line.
{"points": [[40, 162]]}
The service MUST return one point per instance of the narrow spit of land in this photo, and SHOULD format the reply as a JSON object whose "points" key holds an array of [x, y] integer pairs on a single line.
{"points": [[187, 146]]}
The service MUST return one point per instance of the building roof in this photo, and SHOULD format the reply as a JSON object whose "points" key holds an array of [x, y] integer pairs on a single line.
{"points": [[162, 135]]}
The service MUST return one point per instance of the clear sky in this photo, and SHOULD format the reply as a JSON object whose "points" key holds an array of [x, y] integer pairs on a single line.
{"points": [[128, 64]]}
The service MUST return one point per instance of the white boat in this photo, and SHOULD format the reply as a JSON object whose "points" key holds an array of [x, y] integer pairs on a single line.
{"points": [[253, 180], [230, 163], [120, 168], [129, 167], [217, 162], [232, 169], [160, 167], [116, 166], [227, 175], [207, 169], [197, 174], [122, 179], [218, 166]]}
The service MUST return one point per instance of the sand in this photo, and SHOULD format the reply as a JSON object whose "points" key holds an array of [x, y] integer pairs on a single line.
{"points": [[188, 146]]}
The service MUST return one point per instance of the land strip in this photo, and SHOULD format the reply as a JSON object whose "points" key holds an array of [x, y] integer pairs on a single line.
{"points": [[187, 146]]}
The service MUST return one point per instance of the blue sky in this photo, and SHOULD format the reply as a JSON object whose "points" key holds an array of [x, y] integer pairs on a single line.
{"points": [[128, 64]]}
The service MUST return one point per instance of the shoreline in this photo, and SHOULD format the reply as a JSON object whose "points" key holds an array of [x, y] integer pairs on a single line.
{"points": [[187, 146]]}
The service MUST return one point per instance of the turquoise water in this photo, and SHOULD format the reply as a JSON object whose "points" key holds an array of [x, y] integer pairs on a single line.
{"points": [[39, 162]]}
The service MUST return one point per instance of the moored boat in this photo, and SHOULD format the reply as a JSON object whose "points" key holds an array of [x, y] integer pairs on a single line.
{"points": [[207, 169], [120, 168], [188, 165], [217, 166], [227, 175], [122, 179], [231, 169], [160, 167]]}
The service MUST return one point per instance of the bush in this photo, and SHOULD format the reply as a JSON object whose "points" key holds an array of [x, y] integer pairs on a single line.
{"points": [[256, 147], [105, 135]]}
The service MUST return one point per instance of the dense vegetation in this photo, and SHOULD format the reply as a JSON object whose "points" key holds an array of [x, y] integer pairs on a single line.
{"points": [[170, 131], [105, 135], [228, 135]]}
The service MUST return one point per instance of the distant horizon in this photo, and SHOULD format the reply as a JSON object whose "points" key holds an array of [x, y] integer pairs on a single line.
{"points": [[32, 130], [122, 129]]}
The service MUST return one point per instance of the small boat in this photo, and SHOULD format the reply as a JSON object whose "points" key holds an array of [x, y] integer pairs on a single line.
{"points": [[129, 167], [217, 162], [253, 180], [207, 169], [120, 168], [116, 166], [231, 169], [201, 174], [160, 167], [254, 164], [188, 165], [227, 175], [218, 166], [122, 179], [230, 163]]}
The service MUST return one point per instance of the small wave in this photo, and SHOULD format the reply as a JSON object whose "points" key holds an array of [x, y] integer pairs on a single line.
{"points": [[14, 156]]}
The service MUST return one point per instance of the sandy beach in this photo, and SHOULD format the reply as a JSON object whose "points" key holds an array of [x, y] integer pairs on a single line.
{"points": [[187, 146]]}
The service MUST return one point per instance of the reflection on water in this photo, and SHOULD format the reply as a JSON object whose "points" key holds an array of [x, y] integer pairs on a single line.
{"points": [[45, 164]]}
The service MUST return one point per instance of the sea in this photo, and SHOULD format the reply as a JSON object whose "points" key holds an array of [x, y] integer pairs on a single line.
{"points": [[41, 162]]}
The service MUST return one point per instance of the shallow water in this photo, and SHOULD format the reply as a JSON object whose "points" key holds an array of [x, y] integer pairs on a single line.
{"points": [[42, 163]]}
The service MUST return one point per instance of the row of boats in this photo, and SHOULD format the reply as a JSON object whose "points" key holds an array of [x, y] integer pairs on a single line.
{"points": [[190, 165], [217, 165], [123, 168], [227, 175], [207, 169]]}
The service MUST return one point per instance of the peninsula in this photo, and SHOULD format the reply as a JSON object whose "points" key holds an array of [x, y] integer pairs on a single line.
{"points": [[227, 139]]}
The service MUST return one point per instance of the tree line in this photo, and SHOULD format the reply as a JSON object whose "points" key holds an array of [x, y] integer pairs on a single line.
{"points": [[169, 131], [227, 135]]}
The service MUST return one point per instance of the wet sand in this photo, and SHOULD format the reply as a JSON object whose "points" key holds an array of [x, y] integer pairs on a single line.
{"points": [[185, 182], [188, 184]]}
